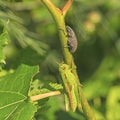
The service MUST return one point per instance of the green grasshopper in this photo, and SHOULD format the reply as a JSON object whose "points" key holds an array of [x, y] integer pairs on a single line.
{"points": [[72, 99]]}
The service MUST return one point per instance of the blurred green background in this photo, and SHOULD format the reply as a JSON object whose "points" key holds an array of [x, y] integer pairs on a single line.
{"points": [[34, 40]]}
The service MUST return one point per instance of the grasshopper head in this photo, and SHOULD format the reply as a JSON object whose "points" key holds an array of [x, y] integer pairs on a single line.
{"points": [[63, 67]]}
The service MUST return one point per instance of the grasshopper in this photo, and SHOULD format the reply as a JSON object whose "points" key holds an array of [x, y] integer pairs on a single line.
{"points": [[72, 99]]}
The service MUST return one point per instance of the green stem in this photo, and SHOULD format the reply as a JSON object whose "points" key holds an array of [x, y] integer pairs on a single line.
{"points": [[59, 16], [59, 19]]}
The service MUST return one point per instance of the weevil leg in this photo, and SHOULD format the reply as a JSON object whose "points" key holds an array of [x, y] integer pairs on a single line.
{"points": [[65, 33]]}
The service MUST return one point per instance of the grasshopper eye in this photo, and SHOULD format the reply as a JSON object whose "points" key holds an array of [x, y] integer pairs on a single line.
{"points": [[63, 67], [72, 40]]}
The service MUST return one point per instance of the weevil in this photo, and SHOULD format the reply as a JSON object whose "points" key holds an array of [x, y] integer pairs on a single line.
{"points": [[72, 39]]}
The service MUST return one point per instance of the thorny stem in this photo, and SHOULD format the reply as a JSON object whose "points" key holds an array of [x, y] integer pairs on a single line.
{"points": [[59, 16]]}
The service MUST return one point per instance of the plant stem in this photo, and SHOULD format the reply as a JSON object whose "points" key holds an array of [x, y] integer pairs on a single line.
{"points": [[59, 16], [45, 95]]}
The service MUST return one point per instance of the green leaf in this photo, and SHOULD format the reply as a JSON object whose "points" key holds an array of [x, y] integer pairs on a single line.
{"points": [[113, 103], [3, 42], [12, 99], [14, 88], [24, 111], [19, 81], [100, 82], [9, 101]]}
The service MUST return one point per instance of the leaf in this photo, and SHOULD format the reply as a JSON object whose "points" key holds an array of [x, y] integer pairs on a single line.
{"points": [[24, 111], [113, 103], [100, 82], [14, 104], [9, 101], [19, 81], [3, 42]]}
